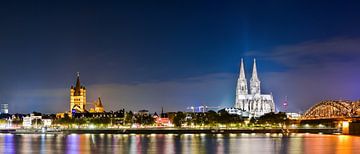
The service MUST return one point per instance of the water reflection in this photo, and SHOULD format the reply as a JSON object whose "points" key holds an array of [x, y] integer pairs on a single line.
{"points": [[173, 143]]}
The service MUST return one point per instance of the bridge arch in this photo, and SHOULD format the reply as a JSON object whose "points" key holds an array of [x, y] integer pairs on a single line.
{"points": [[330, 109]]}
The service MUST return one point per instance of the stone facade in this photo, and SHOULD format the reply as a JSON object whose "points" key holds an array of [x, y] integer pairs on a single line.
{"points": [[77, 97]]}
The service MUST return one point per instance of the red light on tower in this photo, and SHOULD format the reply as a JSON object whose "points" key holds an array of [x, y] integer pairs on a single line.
{"points": [[285, 104]]}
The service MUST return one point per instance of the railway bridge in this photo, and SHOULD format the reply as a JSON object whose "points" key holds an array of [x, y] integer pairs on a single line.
{"points": [[344, 114], [333, 109]]}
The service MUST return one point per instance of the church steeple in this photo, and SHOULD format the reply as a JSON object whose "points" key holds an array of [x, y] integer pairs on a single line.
{"points": [[242, 70], [78, 80], [254, 81], [99, 104], [242, 83], [78, 85], [254, 73], [77, 97]]}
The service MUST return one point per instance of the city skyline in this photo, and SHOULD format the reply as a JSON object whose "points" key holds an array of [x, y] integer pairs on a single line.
{"points": [[175, 54]]}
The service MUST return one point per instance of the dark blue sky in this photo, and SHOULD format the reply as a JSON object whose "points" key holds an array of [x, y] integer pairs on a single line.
{"points": [[175, 54]]}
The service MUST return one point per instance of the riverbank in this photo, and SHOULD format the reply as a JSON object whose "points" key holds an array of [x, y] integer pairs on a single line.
{"points": [[199, 131], [172, 131]]}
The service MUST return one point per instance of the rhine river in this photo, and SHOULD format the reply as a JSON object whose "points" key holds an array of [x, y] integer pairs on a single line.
{"points": [[186, 143]]}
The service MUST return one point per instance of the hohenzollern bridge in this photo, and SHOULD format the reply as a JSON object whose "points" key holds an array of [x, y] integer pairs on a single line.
{"points": [[333, 109]]}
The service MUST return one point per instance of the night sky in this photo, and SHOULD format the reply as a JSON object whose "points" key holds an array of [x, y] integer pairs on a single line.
{"points": [[145, 55]]}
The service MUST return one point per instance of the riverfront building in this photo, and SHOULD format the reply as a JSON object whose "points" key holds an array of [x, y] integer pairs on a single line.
{"points": [[77, 97], [252, 103], [78, 100], [4, 109], [98, 107]]}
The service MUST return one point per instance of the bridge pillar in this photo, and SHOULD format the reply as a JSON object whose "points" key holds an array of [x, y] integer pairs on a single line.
{"points": [[345, 127]]}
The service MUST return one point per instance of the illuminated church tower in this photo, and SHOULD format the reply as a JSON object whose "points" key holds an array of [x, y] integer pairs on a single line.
{"points": [[77, 97], [98, 107], [242, 83], [254, 81]]}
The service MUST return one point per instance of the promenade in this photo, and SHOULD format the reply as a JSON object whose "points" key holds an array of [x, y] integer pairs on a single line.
{"points": [[173, 131]]}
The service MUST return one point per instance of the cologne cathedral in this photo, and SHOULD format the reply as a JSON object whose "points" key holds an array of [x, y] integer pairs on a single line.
{"points": [[251, 100]]}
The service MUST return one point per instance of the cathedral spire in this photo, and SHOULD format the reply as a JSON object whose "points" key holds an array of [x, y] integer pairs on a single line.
{"points": [[242, 83], [254, 81], [254, 73], [242, 70]]}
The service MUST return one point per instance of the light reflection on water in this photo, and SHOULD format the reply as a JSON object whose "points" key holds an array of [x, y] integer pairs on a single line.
{"points": [[173, 143]]}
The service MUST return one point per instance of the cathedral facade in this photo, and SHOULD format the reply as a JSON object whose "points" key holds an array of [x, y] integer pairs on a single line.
{"points": [[251, 100]]}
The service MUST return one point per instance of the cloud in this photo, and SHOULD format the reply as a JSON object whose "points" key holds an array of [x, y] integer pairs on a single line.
{"points": [[40, 100], [175, 95], [316, 52], [317, 70]]}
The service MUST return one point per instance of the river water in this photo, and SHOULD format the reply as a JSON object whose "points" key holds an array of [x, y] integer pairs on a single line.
{"points": [[186, 143]]}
